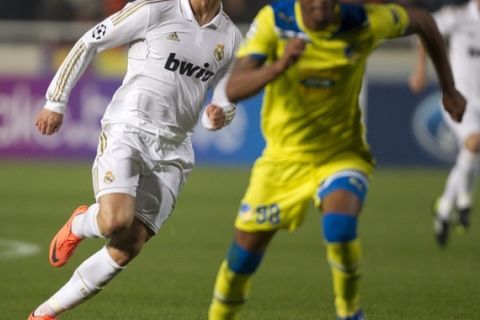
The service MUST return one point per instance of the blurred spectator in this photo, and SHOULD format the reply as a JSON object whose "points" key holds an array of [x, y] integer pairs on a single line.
{"points": [[90, 10], [243, 10], [55, 10], [434, 5], [87, 9], [18, 10], [240, 11], [111, 6]]}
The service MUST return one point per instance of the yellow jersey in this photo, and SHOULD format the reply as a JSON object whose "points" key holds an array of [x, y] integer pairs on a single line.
{"points": [[311, 112]]}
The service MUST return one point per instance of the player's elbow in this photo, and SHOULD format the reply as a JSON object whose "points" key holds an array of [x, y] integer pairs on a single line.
{"points": [[421, 22], [231, 90]]}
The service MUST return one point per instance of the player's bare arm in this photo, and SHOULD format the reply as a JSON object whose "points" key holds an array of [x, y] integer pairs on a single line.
{"points": [[417, 81], [250, 75], [48, 122], [422, 23]]}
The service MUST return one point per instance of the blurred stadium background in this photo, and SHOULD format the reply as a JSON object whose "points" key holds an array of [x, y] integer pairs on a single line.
{"points": [[43, 178]]}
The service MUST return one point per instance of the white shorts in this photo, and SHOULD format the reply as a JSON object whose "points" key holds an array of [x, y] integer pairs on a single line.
{"points": [[470, 123], [144, 165]]}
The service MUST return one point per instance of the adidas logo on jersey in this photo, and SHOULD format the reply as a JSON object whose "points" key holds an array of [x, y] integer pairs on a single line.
{"points": [[173, 36], [188, 68]]}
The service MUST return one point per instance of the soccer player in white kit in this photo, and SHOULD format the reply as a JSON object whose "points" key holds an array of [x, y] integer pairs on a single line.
{"points": [[178, 49], [461, 25]]}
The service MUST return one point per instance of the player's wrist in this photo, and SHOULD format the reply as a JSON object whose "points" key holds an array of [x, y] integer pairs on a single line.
{"points": [[449, 90], [206, 121], [279, 67], [54, 106]]}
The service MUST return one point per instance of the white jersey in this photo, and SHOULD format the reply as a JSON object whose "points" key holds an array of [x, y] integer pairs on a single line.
{"points": [[172, 61], [461, 24]]}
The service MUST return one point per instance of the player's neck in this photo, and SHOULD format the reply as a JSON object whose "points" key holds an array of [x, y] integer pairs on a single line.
{"points": [[205, 10], [319, 15]]}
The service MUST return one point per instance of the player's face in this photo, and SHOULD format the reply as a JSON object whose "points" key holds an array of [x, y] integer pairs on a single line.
{"points": [[318, 14]]}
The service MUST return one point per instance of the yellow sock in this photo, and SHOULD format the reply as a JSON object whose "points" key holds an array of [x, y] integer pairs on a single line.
{"points": [[344, 259], [229, 295]]}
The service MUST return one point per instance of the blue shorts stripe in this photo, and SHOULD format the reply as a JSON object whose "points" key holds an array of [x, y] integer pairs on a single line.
{"points": [[351, 183]]}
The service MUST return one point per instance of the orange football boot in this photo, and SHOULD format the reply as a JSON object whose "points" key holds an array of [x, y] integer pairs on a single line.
{"points": [[32, 317], [65, 241]]}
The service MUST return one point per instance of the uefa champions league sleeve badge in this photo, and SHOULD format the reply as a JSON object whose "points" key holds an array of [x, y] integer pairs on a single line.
{"points": [[99, 31]]}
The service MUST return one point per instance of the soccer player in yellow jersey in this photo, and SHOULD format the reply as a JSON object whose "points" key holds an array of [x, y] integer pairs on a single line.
{"points": [[310, 57]]}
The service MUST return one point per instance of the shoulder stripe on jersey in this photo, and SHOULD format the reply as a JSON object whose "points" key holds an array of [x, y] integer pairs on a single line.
{"points": [[71, 61], [352, 16], [103, 142], [285, 21], [95, 179], [128, 11]]}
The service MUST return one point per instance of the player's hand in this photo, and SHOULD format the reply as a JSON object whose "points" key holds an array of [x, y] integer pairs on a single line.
{"points": [[219, 117], [417, 82], [454, 103], [48, 122], [293, 51]]}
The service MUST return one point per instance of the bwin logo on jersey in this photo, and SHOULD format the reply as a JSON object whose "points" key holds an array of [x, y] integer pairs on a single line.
{"points": [[188, 68]]}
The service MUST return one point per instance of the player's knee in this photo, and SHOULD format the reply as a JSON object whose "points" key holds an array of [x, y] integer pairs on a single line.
{"points": [[116, 213], [113, 222], [472, 143], [339, 227], [242, 261]]}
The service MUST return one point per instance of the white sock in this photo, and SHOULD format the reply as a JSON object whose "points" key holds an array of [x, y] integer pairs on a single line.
{"points": [[444, 208], [467, 163], [459, 186], [447, 200], [87, 280], [85, 225]]}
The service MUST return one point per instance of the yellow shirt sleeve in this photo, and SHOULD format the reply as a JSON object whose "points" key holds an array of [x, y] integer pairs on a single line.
{"points": [[261, 38], [387, 20]]}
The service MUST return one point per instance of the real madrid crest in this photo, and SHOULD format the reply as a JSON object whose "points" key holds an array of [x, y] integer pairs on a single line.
{"points": [[109, 177], [219, 52]]}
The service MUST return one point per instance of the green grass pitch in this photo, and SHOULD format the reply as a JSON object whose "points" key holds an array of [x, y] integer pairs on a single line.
{"points": [[404, 274]]}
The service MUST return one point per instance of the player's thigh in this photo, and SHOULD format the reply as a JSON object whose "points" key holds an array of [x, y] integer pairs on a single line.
{"points": [[157, 195], [117, 166], [468, 130], [253, 241], [277, 196], [343, 185]]}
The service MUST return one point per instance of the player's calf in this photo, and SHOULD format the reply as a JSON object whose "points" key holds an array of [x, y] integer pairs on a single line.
{"points": [[343, 254], [233, 283], [357, 316]]}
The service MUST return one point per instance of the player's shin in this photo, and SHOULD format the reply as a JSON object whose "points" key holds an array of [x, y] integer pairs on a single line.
{"points": [[87, 280], [343, 254], [233, 283], [467, 167]]}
